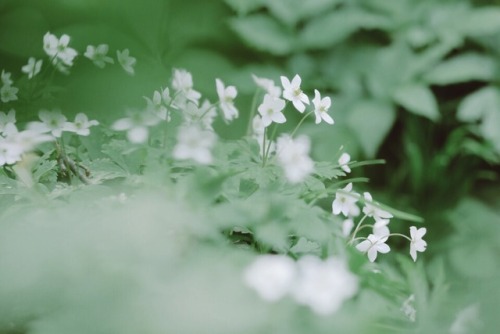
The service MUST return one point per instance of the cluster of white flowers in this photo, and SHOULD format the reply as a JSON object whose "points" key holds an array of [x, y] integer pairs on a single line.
{"points": [[58, 50], [322, 285], [55, 123], [7, 92], [293, 156], [345, 203], [15, 143]]}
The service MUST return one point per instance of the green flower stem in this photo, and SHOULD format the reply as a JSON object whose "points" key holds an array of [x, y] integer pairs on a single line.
{"points": [[300, 123], [356, 230], [270, 141], [253, 110]]}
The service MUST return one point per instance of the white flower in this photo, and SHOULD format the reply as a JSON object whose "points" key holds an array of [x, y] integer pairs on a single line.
{"points": [[51, 121], [137, 125], [345, 202], [268, 85], [293, 156], [226, 97], [271, 276], [271, 110], [293, 93], [195, 143], [5, 78], [126, 61], [32, 68], [10, 151], [467, 321], [321, 107], [408, 309], [58, 49], [380, 229], [99, 55], [157, 104], [7, 121], [324, 285], [372, 211], [8, 93], [372, 245], [258, 126], [344, 161], [417, 244], [182, 82], [81, 125], [17, 143], [347, 226], [203, 115]]}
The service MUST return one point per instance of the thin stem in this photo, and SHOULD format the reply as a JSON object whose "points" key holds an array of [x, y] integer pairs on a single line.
{"points": [[356, 230], [253, 109], [300, 123]]}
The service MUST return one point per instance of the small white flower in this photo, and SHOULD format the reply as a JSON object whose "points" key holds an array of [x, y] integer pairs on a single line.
{"points": [[271, 276], [7, 121], [321, 107], [195, 143], [345, 202], [373, 245], [182, 82], [372, 211], [58, 49], [10, 151], [271, 110], [293, 156], [32, 68], [226, 97], [137, 125], [417, 244], [380, 229], [347, 226], [157, 105], [126, 61], [344, 161], [5, 78], [8, 93], [99, 55], [203, 115], [81, 125], [324, 285], [268, 85], [52, 122], [293, 93], [17, 143]]}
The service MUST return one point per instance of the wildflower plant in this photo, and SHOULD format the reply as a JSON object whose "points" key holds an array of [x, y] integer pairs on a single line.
{"points": [[259, 197]]}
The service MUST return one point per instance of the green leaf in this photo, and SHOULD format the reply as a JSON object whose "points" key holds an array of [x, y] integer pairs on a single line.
{"points": [[463, 68], [371, 121], [332, 28], [482, 21], [292, 11], [264, 33], [44, 168], [273, 235], [476, 105], [243, 7], [418, 99]]}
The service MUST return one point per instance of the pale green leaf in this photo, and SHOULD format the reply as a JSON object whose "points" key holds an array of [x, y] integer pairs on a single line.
{"points": [[243, 7], [418, 99], [481, 21], [334, 27], [292, 11], [371, 121], [474, 106], [264, 33], [463, 68]]}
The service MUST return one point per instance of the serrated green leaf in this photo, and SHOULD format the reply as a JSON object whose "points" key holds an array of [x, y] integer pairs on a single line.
{"points": [[264, 33], [332, 28], [247, 187], [371, 121], [304, 246], [418, 99], [43, 168], [273, 235], [292, 11], [474, 106], [463, 68]]}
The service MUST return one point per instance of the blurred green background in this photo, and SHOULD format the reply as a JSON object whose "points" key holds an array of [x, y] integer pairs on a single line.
{"points": [[414, 82]]}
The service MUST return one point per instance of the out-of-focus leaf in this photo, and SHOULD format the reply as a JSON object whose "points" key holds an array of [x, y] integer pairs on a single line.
{"points": [[463, 68], [274, 235], [481, 21], [292, 11], [332, 28], [476, 105], [371, 121], [243, 7], [264, 33], [418, 99]]}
